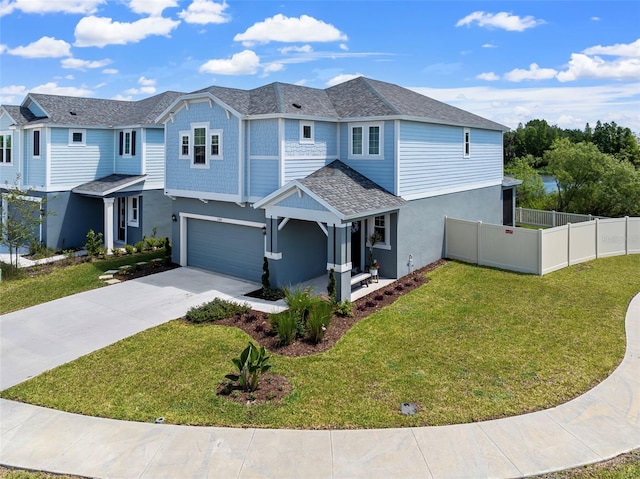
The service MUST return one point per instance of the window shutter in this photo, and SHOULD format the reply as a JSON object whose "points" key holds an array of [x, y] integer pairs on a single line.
{"points": [[133, 143], [121, 142]]}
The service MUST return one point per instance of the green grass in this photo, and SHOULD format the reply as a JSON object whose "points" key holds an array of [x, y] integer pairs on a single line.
{"points": [[472, 344], [29, 291]]}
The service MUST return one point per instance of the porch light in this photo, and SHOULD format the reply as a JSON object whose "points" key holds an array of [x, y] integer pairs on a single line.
{"points": [[174, 218], [264, 230]]}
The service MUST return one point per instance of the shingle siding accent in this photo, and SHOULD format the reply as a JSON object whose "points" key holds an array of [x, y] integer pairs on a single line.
{"points": [[263, 136], [263, 177]]}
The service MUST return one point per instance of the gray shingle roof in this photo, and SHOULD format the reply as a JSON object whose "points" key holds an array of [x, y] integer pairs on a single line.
{"points": [[69, 110], [357, 98], [107, 185], [21, 115], [347, 191]]}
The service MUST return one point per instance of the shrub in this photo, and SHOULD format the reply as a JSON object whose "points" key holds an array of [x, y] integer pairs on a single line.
{"points": [[286, 325], [150, 243], [319, 319], [93, 243], [299, 301], [216, 310], [129, 249], [266, 284], [140, 246], [344, 309], [251, 364], [167, 251], [11, 271], [331, 287]]}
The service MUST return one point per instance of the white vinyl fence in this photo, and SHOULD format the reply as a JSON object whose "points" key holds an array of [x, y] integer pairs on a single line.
{"points": [[540, 251], [527, 216]]}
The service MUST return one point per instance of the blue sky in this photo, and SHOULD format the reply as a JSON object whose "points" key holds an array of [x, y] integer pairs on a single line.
{"points": [[566, 62]]}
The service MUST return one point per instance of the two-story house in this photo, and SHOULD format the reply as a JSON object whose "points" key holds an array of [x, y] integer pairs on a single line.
{"points": [[306, 176], [98, 163]]}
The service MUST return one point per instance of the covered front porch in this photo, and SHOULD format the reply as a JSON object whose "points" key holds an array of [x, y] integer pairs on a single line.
{"points": [[318, 287], [336, 211]]}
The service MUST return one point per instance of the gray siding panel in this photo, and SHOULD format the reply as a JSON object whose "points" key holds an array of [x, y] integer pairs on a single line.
{"points": [[421, 222], [70, 217], [304, 253]]}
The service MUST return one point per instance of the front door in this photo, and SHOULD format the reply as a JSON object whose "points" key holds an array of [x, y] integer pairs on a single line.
{"points": [[122, 220], [356, 245], [507, 207]]}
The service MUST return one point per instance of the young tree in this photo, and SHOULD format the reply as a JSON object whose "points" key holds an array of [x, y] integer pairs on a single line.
{"points": [[531, 193], [22, 215]]}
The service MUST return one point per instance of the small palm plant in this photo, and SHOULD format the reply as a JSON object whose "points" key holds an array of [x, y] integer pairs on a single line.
{"points": [[251, 364]]}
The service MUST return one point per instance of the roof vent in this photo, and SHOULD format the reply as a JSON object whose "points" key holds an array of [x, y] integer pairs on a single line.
{"points": [[297, 105], [72, 113]]}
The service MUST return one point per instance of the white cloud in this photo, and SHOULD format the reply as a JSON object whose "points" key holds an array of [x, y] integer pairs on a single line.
{"points": [[583, 66], [53, 88], [77, 64], [533, 73], [12, 94], [489, 76], [110, 71], [271, 68], [619, 50], [101, 31], [46, 47], [147, 86], [342, 78], [3, 48], [290, 30], [122, 97], [302, 49], [151, 7], [595, 19], [244, 63], [344, 46], [203, 12], [489, 45], [50, 6], [510, 106], [503, 20]]}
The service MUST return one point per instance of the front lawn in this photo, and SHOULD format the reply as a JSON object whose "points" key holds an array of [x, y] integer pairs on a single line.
{"points": [[472, 344], [57, 282]]}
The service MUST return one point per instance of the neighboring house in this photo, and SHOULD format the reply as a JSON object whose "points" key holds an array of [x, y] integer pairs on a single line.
{"points": [[305, 176], [98, 163]]}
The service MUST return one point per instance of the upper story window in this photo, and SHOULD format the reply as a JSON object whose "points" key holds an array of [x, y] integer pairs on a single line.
{"points": [[306, 132], [467, 143], [5, 147], [199, 146], [127, 143], [36, 143], [215, 150], [77, 137], [365, 140]]}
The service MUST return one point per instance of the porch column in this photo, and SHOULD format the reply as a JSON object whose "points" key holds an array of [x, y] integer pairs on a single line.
{"points": [[339, 258], [271, 249], [108, 224]]}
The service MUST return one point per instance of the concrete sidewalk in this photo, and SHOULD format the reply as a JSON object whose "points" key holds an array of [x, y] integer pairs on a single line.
{"points": [[598, 425]]}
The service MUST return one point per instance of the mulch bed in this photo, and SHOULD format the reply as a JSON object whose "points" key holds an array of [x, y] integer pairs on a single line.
{"points": [[256, 324]]}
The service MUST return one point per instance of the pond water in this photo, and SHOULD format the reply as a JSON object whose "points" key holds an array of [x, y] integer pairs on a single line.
{"points": [[549, 184]]}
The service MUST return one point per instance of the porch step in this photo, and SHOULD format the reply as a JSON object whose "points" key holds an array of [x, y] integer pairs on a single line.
{"points": [[105, 276], [112, 281]]}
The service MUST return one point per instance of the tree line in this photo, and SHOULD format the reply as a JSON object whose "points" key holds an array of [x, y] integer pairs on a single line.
{"points": [[596, 171]]}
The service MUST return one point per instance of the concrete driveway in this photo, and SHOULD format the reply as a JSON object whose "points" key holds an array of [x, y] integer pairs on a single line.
{"points": [[42, 337]]}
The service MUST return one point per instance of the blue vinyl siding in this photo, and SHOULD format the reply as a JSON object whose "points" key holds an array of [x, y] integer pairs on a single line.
{"points": [[9, 171], [73, 165], [380, 171], [154, 151], [296, 169], [130, 164], [222, 176], [304, 202], [34, 170], [263, 136], [324, 144], [432, 158], [263, 177]]}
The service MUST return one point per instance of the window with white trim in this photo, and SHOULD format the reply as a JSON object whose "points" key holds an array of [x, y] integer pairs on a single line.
{"points": [[199, 146], [467, 142], [127, 143], [5, 147], [366, 140], [184, 145], [380, 226], [77, 137], [133, 205], [215, 144], [36, 143], [306, 132]]}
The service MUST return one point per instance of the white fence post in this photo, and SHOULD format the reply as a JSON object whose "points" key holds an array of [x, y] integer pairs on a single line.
{"points": [[479, 242], [540, 251]]}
